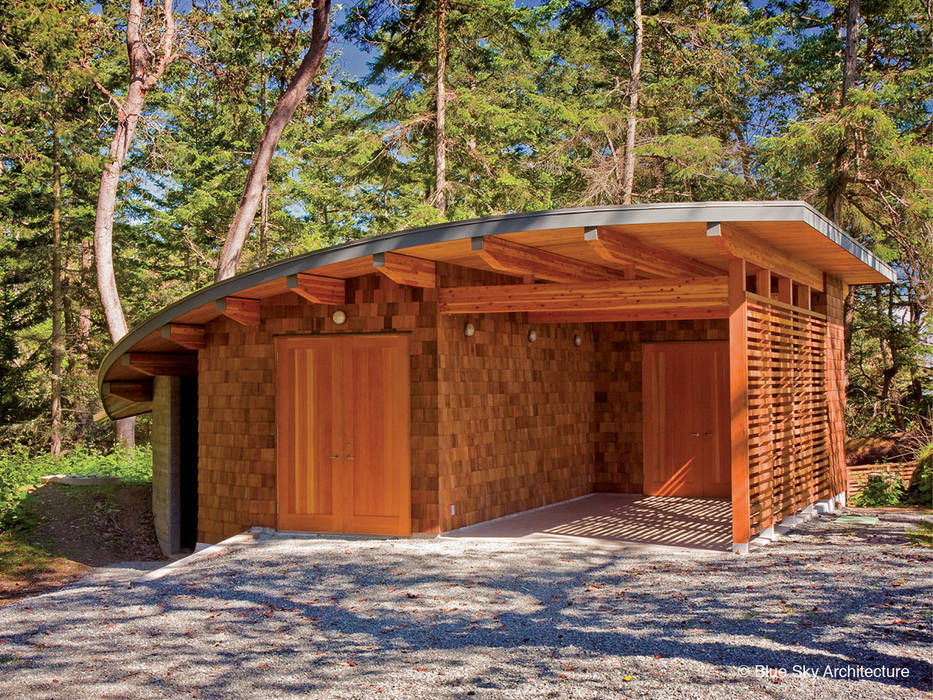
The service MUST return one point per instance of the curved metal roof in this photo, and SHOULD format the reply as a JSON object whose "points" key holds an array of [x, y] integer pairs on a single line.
{"points": [[665, 213]]}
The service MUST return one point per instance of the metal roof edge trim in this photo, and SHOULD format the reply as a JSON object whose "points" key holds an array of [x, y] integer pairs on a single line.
{"points": [[673, 212]]}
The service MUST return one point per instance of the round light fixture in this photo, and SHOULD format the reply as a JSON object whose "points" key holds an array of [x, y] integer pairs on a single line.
{"points": [[532, 335], [339, 317], [468, 330]]}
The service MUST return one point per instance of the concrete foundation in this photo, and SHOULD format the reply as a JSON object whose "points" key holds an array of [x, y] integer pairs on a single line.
{"points": [[166, 462]]}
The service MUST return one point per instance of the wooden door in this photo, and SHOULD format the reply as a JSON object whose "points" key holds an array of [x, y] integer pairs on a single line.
{"points": [[343, 432], [686, 419]]}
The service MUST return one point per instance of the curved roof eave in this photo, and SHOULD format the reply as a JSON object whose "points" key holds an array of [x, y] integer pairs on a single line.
{"points": [[674, 212]]}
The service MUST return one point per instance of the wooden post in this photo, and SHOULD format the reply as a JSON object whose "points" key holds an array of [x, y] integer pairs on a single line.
{"points": [[784, 290], [738, 402], [836, 384], [763, 283]]}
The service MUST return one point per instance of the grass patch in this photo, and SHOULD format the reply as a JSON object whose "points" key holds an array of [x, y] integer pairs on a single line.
{"points": [[21, 471], [28, 570], [18, 560], [922, 535]]}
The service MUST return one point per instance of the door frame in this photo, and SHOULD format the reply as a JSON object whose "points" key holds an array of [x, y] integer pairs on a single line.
{"points": [[723, 345], [280, 411]]}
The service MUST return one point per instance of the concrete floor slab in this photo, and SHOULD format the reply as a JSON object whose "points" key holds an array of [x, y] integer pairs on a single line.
{"points": [[619, 519]]}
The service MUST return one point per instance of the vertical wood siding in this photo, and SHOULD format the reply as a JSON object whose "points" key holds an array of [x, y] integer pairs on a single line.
{"points": [[788, 414]]}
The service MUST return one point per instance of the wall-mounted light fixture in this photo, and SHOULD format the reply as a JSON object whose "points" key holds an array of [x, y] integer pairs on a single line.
{"points": [[468, 330], [577, 339], [339, 317], [532, 335]]}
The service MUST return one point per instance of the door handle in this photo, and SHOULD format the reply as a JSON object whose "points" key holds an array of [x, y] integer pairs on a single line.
{"points": [[694, 435], [707, 433], [349, 456], [334, 457]]}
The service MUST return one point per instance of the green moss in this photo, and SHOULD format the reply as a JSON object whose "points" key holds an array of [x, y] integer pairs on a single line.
{"points": [[922, 535]]}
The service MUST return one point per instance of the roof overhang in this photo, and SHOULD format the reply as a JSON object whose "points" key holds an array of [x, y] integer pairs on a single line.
{"points": [[791, 230]]}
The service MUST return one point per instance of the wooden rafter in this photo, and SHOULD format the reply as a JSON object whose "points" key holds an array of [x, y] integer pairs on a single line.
{"points": [[404, 269], [735, 245], [317, 289], [162, 363], [135, 391], [628, 295], [517, 259], [188, 336], [621, 248], [243, 311]]}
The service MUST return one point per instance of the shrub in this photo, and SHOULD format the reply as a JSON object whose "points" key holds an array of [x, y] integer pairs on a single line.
{"points": [[920, 491], [20, 470], [880, 489]]}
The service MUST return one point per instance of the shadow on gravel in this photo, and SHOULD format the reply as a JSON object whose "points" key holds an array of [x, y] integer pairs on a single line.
{"points": [[297, 609]]}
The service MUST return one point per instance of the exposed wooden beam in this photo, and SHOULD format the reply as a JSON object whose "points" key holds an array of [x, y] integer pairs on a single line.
{"points": [[404, 269], [628, 295], [162, 363], [136, 391], [688, 314], [243, 311], [186, 335], [517, 259], [317, 289], [734, 244], [621, 248]]}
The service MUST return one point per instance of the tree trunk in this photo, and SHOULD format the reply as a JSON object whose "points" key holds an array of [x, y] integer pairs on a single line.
{"points": [[128, 113], [264, 224], [58, 345], [849, 75], [850, 66], [440, 137], [837, 187], [84, 411], [83, 341], [262, 156], [628, 177], [264, 204]]}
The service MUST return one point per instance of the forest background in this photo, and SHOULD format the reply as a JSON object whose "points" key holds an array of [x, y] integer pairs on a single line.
{"points": [[430, 111]]}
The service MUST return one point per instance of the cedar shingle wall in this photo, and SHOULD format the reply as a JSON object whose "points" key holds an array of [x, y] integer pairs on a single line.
{"points": [[236, 412], [617, 429], [499, 424], [515, 417]]}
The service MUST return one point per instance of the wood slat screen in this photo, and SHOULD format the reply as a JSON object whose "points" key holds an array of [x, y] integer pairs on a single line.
{"points": [[787, 410]]}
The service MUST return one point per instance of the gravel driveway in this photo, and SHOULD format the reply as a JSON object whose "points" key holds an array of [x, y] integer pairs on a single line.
{"points": [[492, 618]]}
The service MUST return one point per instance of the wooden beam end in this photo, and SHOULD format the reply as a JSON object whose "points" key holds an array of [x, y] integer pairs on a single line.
{"points": [[241, 310]]}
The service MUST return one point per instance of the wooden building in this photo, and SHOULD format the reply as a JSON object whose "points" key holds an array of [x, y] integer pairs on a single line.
{"points": [[438, 377]]}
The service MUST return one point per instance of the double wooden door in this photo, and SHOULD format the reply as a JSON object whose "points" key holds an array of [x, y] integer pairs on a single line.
{"points": [[686, 419], [343, 434]]}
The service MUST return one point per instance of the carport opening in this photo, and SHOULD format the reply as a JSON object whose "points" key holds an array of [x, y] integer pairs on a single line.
{"points": [[634, 411]]}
